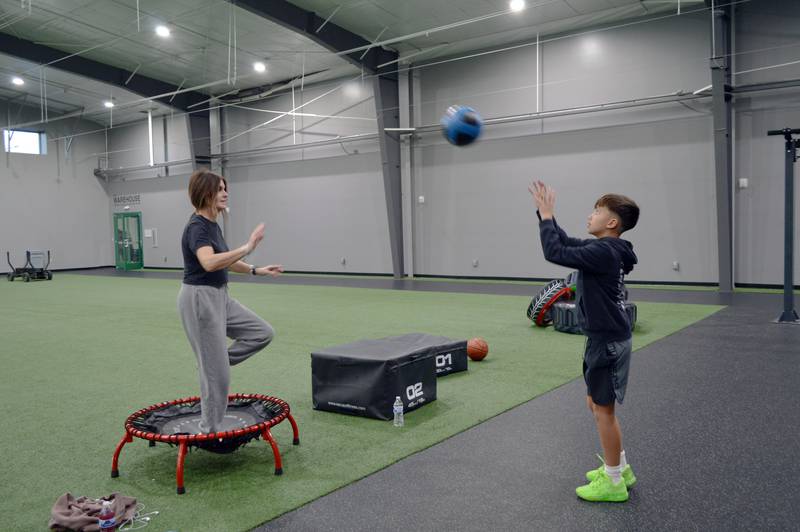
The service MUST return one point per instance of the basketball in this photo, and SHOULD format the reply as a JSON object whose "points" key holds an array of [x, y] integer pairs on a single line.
{"points": [[461, 125], [477, 349]]}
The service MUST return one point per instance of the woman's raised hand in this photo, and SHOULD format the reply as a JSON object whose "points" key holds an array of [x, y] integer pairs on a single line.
{"points": [[255, 237]]}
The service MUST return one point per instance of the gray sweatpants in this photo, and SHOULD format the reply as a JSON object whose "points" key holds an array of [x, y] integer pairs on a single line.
{"points": [[210, 315]]}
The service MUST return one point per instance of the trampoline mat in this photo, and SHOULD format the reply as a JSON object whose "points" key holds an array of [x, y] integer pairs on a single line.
{"points": [[190, 424], [184, 418]]}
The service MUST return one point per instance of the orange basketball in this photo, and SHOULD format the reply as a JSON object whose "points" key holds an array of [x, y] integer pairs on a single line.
{"points": [[477, 349]]}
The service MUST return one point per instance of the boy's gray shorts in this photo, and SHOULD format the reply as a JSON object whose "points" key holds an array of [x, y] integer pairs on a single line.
{"points": [[605, 370]]}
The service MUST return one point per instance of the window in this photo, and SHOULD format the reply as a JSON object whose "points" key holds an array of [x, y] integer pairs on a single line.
{"points": [[17, 141]]}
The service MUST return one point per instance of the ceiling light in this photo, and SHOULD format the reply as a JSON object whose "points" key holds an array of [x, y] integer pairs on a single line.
{"points": [[17, 81], [162, 31], [517, 5], [108, 104], [259, 67], [352, 90]]}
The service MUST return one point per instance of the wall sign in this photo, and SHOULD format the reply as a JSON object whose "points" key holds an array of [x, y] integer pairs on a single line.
{"points": [[120, 200]]}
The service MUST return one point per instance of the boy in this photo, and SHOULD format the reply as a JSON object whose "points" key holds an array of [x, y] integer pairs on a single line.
{"points": [[602, 262]]}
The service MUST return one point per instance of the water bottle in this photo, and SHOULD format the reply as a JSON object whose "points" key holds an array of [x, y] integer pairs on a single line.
{"points": [[106, 519], [398, 412]]}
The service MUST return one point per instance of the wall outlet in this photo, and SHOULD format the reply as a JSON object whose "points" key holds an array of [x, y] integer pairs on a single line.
{"points": [[343, 260], [676, 265], [474, 263], [421, 200], [743, 182], [165, 259]]}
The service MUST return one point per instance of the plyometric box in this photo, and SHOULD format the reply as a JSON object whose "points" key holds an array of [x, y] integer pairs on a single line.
{"points": [[364, 377]]}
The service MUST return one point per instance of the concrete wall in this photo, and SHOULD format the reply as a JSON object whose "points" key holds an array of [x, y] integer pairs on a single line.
{"points": [[53, 201]]}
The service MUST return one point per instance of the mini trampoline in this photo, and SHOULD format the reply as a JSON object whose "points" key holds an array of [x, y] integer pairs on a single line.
{"points": [[249, 416]]}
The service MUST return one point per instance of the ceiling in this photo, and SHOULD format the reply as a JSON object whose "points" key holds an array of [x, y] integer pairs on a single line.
{"points": [[213, 44], [493, 24]]}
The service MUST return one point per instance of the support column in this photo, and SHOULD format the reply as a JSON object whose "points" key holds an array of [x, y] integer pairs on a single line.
{"points": [[200, 139], [387, 102], [407, 172], [723, 141]]}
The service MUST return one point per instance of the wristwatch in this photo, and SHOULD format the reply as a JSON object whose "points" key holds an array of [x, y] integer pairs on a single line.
{"points": [[252, 269]]}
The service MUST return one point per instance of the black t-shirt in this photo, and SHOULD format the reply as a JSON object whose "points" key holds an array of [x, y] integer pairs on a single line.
{"points": [[201, 232]]}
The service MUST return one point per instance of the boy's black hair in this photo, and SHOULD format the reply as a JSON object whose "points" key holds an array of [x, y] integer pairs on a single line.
{"points": [[625, 208]]}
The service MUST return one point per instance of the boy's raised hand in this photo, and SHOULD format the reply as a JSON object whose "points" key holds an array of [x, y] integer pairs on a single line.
{"points": [[544, 197]]}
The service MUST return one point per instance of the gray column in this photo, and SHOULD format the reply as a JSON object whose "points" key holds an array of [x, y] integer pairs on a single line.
{"points": [[723, 142], [200, 139], [386, 90]]}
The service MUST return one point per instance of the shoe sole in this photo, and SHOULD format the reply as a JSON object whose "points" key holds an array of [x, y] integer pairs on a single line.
{"points": [[603, 500], [629, 486]]}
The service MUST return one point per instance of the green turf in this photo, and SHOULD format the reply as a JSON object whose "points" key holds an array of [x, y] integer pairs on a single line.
{"points": [[80, 353]]}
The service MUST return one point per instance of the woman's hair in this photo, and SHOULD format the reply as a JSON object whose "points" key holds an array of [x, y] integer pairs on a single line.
{"points": [[203, 187]]}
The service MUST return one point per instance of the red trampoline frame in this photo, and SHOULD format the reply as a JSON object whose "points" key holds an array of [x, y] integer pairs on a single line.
{"points": [[185, 440]]}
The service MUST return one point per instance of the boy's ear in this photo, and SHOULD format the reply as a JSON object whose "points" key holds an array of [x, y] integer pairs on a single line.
{"points": [[613, 223]]}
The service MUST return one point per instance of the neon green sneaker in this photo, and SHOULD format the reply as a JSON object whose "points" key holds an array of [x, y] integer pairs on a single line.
{"points": [[627, 473], [601, 489]]}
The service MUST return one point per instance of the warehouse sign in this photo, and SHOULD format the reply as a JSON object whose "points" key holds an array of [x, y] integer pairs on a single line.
{"points": [[120, 200]]}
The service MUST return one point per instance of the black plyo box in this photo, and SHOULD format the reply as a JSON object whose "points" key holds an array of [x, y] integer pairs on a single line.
{"points": [[363, 378], [449, 355]]}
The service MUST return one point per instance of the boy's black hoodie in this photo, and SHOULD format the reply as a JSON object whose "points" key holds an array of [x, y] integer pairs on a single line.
{"points": [[602, 263]]}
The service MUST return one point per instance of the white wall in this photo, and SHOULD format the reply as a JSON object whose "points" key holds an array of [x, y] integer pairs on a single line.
{"points": [[320, 204], [316, 212], [768, 39], [477, 206], [54, 202]]}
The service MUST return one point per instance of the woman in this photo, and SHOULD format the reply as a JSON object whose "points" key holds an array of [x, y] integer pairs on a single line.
{"points": [[207, 312]]}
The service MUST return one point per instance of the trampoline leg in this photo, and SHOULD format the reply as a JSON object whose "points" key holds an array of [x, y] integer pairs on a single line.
{"points": [[278, 464], [296, 440], [127, 438], [179, 472]]}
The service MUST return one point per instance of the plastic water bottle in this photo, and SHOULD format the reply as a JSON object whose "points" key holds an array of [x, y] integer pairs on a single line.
{"points": [[398, 412], [106, 519]]}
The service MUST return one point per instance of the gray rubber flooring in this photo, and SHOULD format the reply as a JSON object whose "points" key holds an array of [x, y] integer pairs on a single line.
{"points": [[710, 425]]}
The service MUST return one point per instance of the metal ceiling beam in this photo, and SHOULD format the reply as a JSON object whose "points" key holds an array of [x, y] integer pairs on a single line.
{"points": [[324, 32], [141, 85]]}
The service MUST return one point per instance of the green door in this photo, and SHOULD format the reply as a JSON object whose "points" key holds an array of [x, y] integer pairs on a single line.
{"points": [[128, 240]]}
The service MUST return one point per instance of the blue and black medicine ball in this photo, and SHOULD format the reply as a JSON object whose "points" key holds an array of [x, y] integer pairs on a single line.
{"points": [[461, 125]]}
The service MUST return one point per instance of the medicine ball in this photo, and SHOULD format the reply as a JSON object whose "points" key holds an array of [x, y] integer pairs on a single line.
{"points": [[461, 125]]}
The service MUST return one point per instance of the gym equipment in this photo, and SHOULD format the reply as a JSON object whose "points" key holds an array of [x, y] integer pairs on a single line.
{"points": [[789, 315], [461, 125], [248, 417], [35, 267], [565, 316], [363, 378], [539, 308]]}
